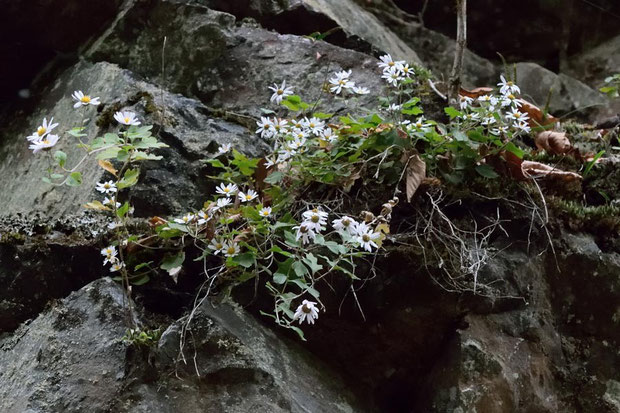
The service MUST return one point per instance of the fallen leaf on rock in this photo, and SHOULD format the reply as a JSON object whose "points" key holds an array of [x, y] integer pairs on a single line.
{"points": [[533, 169], [475, 93], [537, 116], [555, 143]]}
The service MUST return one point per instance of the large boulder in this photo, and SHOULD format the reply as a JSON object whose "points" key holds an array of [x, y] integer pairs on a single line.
{"points": [[594, 65], [224, 361], [189, 127], [71, 359], [239, 63], [567, 94]]}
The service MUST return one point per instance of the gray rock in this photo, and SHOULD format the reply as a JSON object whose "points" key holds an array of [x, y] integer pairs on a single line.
{"points": [[242, 65], [190, 128], [567, 94], [242, 367], [70, 358], [436, 51], [594, 65]]}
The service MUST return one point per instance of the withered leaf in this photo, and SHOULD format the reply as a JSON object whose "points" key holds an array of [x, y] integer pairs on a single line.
{"points": [[416, 171], [107, 165], [555, 143], [533, 169]]}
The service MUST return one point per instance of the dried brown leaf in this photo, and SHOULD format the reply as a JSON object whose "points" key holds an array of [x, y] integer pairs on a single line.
{"points": [[416, 171], [475, 93], [533, 169], [555, 143], [107, 165]]}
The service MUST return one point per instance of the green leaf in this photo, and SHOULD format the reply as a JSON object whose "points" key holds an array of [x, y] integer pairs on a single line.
{"points": [[274, 178], [487, 171], [142, 265], [171, 261], [312, 262], [245, 165], [108, 153], [141, 280], [590, 164], [77, 131], [215, 163], [60, 157], [246, 260], [122, 210], [279, 250], [129, 178], [513, 149], [300, 269], [452, 113], [144, 156], [75, 179], [321, 115]]}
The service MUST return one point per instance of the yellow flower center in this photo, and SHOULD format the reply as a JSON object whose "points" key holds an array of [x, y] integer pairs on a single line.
{"points": [[303, 229], [85, 99], [311, 125], [231, 250], [510, 96], [315, 218], [126, 120], [265, 213], [391, 64], [219, 246], [510, 83], [280, 91], [248, 197], [517, 115], [41, 131], [346, 222], [366, 237], [45, 142], [341, 82]]}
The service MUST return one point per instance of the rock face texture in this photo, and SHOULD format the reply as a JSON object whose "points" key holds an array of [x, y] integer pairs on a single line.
{"points": [[545, 340]]}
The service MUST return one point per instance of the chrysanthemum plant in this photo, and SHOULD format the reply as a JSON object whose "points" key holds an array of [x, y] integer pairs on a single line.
{"points": [[295, 217]]}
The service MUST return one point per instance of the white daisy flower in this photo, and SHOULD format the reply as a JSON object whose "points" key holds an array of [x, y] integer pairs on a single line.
{"points": [[522, 126], [126, 118], [222, 203], [249, 196], [228, 189], [280, 92], [266, 128], [224, 148], [392, 76], [109, 251], [203, 217], [341, 81], [185, 219], [507, 86], [270, 161], [230, 250], [45, 128], [471, 116], [360, 90], [117, 266], [265, 212], [110, 202], [45, 143], [316, 211], [217, 245], [366, 237], [345, 224], [386, 63], [420, 124], [488, 120], [465, 102], [83, 100], [297, 143], [304, 233], [314, 125], [510, 100], [106, 187], [406, 70], [280, 125], [329, 135], [517, 116], [307, 311], [394, 107], [499, 130]]}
